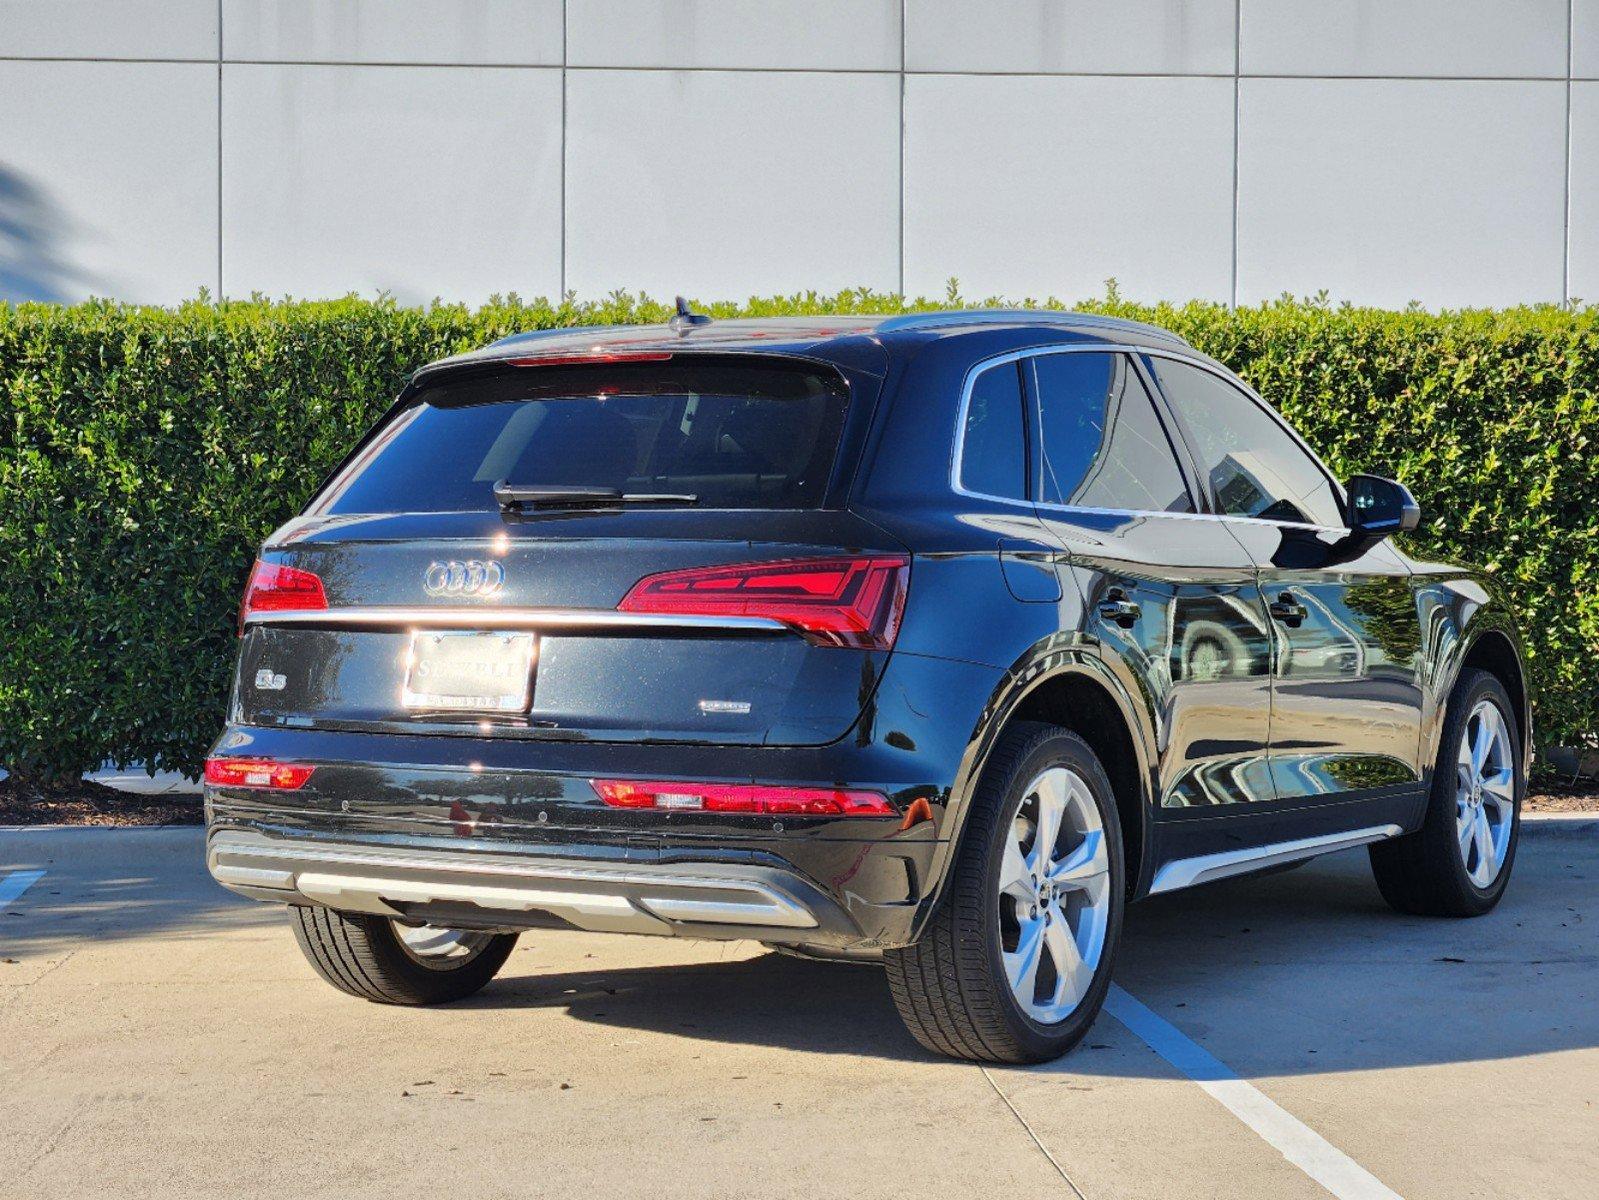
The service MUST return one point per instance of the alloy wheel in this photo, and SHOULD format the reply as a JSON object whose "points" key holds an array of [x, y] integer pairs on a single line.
{"points": [[1485, 793], [435, 946], [1054, 896]]}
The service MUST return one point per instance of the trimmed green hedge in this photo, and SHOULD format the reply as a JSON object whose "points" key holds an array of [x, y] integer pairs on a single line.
{"points": [[147, 452]]}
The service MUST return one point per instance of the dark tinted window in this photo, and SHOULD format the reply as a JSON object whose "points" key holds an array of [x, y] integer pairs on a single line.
{"points": [[1255, 467], [736, 436], [1103, 446], [993, 448]]}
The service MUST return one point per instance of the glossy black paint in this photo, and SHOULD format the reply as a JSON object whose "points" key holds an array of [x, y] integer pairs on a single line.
{"points": [[1346, 690], [612, 684], [1272, 685]]}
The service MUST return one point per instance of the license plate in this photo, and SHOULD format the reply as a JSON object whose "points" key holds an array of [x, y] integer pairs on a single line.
{"points": [[470, 672]]}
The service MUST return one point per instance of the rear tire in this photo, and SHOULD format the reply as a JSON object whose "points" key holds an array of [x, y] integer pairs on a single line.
{"points": [[367, 956], [1010, 896], [1458, 863]]}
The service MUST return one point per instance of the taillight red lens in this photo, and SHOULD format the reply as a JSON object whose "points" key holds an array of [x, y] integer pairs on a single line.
{"points": [[275, 588], [832, 601], [769, 800], [256, 773]]}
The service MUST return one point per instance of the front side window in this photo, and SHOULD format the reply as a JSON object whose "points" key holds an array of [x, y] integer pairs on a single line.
{"points": [[993, 446], [1255, 467], [1102, 444]]}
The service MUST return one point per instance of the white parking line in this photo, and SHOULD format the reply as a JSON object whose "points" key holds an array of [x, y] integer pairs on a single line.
{"points": [[1297, 1142], [14, 884]]}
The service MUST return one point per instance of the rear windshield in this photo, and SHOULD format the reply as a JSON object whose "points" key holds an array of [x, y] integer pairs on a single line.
{"points": [[734, 436]]}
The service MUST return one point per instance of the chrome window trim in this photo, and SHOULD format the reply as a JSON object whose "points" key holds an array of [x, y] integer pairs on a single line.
{"points": [[959, 438], [958, 444]]}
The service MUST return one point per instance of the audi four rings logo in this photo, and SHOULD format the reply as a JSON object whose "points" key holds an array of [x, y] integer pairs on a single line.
{"points": [[469, 578]]}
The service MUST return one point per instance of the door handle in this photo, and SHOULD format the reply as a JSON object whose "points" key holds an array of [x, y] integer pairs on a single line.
{"points": [[1288, 610], [1117, 608]]}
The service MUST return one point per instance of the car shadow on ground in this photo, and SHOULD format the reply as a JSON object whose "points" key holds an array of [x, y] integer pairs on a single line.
{"points": [[1304, 972], [770, 1000]]}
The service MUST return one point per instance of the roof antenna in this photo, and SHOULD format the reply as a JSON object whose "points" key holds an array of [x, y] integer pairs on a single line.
{"points": [[685, 320]]}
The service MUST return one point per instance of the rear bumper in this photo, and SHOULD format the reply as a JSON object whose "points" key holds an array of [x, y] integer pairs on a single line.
{"points": [[506, 832], [508, 890]]}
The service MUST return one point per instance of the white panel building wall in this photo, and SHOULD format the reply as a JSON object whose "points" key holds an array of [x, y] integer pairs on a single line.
{"points": [[1444, 151]]}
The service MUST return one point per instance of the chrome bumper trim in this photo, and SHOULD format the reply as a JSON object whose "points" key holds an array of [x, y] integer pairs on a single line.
{"points": [[1186, 872], [490, 617], [666, 899]]}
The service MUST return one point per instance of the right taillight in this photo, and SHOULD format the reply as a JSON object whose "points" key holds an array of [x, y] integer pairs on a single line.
{"points": [[763, 799], [855, 601], [276, 588]]}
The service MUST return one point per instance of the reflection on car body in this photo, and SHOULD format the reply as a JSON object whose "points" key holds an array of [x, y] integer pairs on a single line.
{"points": [[931, 639]]}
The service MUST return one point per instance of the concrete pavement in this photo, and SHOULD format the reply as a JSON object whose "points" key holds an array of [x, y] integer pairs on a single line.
{"points": [[161, 1038]]}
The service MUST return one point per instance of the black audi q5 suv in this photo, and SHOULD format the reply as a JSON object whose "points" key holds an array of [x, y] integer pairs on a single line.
{"points": [[932, 640]]}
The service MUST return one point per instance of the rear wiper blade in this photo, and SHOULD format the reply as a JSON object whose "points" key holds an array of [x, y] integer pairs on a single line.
{"points": [[528, 495]]}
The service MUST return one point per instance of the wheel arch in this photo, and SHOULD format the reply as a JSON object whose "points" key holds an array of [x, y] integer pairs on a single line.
{"points": [[1084, 702], [1494, 650], [1075, 692], [1466, 621]]}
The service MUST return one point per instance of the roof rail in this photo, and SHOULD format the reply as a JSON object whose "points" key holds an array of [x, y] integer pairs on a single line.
{"points": [[533, 335], [1022, 316]]}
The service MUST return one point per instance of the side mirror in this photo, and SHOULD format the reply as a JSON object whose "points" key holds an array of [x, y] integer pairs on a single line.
{"points": [[1379, 508]]}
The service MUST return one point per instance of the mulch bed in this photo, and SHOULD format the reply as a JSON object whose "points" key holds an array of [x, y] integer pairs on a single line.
{"points": [[1581, 796], [82, 802]]}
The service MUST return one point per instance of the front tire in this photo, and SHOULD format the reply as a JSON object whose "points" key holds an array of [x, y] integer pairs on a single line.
{"points": [[1458, 863], [1016, 959], [380, 960]]}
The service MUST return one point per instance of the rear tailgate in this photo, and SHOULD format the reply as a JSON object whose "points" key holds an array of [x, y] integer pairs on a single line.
{"points": [[543, 591], [598, 673]]}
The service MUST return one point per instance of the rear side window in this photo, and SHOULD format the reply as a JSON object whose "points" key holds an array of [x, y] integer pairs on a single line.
{"points": [[1255, 467], [993, 446], [733, 435], [1102, 444]]}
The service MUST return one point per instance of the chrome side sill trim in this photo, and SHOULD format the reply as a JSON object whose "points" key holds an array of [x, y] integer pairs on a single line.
{"points": [[463, 617], [1186, 872]]}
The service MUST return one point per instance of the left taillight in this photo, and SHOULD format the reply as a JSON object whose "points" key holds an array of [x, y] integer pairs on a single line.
{"points": [[256, 773], [857, 601], [276, 588]]}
